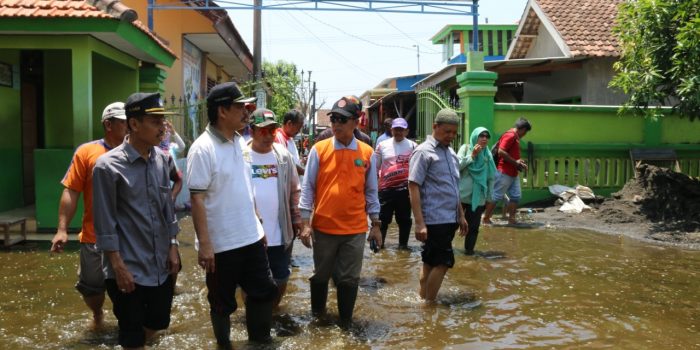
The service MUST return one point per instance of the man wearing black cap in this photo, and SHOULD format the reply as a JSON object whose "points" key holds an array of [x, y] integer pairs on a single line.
{"points": [[340, 188], [230, 235], [135, 223], [328, 133]]}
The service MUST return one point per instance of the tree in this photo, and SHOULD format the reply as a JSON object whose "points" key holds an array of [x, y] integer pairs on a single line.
{"points": [[282, 79], [659, 62]]}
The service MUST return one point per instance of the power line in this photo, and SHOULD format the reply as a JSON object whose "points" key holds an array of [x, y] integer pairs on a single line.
{"points": [[364, 39], [406, 35], [341, 57]]}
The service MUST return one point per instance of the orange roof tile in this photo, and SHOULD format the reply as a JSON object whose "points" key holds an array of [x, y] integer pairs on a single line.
{"points": [[64, 9], [585, 25]]}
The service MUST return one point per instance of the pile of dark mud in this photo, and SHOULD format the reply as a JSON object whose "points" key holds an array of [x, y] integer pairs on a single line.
{"points": [[667, 199]]}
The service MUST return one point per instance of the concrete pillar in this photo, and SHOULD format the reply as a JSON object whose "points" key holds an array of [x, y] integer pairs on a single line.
{"points": [[81, 62], [152, 79], [476, 93]]}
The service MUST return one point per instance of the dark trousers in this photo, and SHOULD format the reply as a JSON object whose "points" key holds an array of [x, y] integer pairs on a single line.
{"points": [[474, 221], [395, 203]]}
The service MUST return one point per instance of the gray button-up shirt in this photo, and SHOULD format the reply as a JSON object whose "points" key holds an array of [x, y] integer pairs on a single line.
{"points": [[435, 168], [133, 211]]}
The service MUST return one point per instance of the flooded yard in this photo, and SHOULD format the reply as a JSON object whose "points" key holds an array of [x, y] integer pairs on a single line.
{"points": [[532, 289]]}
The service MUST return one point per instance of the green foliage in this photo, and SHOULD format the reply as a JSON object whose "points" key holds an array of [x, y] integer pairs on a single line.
{"points": [[660, 56], [281, 77]]}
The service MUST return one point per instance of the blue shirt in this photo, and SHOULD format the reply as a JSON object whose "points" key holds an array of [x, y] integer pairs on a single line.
{"points": [[435, 169]]}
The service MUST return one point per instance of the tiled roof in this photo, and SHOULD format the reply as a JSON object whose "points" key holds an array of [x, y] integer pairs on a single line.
{"points": [[64, 9], [585, 25]]}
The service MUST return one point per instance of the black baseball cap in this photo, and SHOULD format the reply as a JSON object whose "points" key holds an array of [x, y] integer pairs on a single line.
{"points": [[226, 92], [144, 103], [349, 106]]}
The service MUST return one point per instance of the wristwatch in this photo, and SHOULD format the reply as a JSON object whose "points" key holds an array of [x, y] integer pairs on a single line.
{"points": [[376, 223], [174, 242]]}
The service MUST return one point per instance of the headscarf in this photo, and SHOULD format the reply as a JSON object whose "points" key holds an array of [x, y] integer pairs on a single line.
{"points": [[481, 168]]}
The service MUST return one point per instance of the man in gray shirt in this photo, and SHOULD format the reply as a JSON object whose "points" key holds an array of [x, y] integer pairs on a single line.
{"points": [[135, 224], [433, 185]]}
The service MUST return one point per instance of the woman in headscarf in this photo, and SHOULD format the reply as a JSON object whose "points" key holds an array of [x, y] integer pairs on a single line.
{"points": [[476, 177]]}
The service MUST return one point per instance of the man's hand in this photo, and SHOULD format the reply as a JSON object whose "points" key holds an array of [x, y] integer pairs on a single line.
{"points": [[521, 165], [59, 242], [173, 260], [305, 236], [463, 226], [376, 234], [421, 232], [296, 228], [206, 257], [125, 280]]}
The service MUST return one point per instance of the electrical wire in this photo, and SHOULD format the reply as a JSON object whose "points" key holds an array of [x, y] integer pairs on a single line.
{"points": [[341, 57], [365, 39], [429, 51]]}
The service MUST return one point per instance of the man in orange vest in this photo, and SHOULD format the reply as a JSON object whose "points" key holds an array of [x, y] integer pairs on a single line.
{"points": [[340, 187]]}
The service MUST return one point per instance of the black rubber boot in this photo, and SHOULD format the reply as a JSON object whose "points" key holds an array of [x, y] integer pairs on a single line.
{"points": [[347, 294], [319, 295], [222, 330], [258, 321]]}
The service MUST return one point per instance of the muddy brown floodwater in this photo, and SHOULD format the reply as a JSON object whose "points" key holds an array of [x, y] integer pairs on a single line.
{"points": [[534, 288]]}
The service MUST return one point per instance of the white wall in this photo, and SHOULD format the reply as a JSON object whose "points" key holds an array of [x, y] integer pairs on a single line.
{"points": [[599, 73], [558, 85], [544, 45], [589, 82]]}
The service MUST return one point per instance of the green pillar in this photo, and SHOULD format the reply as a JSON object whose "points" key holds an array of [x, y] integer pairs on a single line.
{"points": [[652, 132], [152, 79], [476, 93], [81, 62]]}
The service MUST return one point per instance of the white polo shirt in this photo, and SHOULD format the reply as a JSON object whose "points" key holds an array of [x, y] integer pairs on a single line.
{"points": [[215, 166]]}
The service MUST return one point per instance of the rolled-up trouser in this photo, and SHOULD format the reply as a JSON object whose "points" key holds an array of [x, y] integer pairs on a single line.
{"points": [[338, 256]]}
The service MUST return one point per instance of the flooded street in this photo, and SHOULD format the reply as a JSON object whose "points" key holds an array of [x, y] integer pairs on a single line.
{"points": [[534, 288]]}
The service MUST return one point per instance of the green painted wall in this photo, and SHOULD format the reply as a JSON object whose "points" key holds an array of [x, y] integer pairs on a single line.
{"points": [[58, 99], [571, 124], [51, 166], [680, 130], [10, 137], [111, 82]]}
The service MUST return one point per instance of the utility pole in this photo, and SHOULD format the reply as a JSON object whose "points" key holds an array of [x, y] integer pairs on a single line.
{"points": [[313, 112], [257, 54], [418, 56]]}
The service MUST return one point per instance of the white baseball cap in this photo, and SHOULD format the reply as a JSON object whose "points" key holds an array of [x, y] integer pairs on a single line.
{"points": [[114, 110]]}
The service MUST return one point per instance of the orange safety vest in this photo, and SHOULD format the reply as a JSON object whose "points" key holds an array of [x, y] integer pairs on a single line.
{"points": [[340, 206]]}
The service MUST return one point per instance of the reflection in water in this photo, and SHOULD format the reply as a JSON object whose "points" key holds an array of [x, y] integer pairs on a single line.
{"points": [[529, 288]]}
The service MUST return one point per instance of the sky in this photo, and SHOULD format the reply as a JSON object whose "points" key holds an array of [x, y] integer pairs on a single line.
{"points": [[352, 52]]}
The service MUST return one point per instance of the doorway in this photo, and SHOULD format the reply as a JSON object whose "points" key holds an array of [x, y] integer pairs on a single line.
{"points": [[32, 105]]}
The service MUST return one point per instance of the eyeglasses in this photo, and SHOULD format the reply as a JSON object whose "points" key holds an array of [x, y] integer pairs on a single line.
{"points": [[485, 135], [266, 131], [340, 119]]}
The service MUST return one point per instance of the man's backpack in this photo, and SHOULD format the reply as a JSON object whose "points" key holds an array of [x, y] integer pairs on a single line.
{"points": [[494, 149], [494, 152]]}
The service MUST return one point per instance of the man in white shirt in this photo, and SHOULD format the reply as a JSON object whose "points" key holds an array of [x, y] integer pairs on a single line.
{"points": [[276, 190], [291, 125], [392, 156], [230, 235]]}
